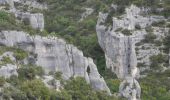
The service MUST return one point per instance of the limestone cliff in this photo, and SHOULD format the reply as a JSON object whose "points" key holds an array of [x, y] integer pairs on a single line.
{"points": [[54, 54], [119, 40]]}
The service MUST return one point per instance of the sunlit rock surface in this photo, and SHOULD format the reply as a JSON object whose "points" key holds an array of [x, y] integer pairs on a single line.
{"points": [[54, 54]]}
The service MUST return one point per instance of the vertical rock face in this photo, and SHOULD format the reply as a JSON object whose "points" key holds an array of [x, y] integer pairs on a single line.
{"points": [[119, 48], [120, 52], [55, 54]]}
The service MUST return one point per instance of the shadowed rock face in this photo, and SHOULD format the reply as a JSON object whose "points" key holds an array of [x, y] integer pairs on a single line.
{"points": [[55, 54]]}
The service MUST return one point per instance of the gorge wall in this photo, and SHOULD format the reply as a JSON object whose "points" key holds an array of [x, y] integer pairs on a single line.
{"points": [[55, 55], [118, 40]]}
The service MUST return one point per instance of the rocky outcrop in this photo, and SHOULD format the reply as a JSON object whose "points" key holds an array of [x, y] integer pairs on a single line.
{"points": [[119, 47], [36, 20], [8, 70], [120, 53], [54, 54], [9, 2], [52, 83], [88, 11], [130, 89]]}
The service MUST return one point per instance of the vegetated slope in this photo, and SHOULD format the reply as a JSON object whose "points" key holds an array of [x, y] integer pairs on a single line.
{"points": [[63, 19], [22, 81], [81, 33]]}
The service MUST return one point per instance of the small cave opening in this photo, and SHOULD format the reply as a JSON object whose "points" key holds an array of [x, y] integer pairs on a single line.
{"points": [[88, 70]]}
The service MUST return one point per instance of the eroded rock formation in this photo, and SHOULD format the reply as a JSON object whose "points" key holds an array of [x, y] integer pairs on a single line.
{"points": [[54, 54], [120, 53], [118, 41]]}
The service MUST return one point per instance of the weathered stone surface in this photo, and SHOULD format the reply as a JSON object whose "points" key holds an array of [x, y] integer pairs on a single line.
{"points": [[130, 89], [54, 54], [88, 11], [9, 2], [120, 51], [8, 70], [35, 20], [52, 83]]}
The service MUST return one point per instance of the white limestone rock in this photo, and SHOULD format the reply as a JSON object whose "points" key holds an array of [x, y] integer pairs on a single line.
{"points": [[9, 2], [8, 70], [52, 83], [130, 89], [119, 52], [88, 11], [35, 20], [56, 55], [119, 49]]}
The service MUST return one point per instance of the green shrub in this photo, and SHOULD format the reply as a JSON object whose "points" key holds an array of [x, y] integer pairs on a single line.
{"points": [[58, 75], [20, 54], [6, 60], [159, 23], [159, 90], [80, 90], [149, 29], [113, 85], [149, 38], [4, 49], [118, 29], [7, 21], [18, 95], [137, 26], [62, 95], [166, 42], [36, 89], [157, 60], [126, 32], [2, 81], [30, 71]]}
